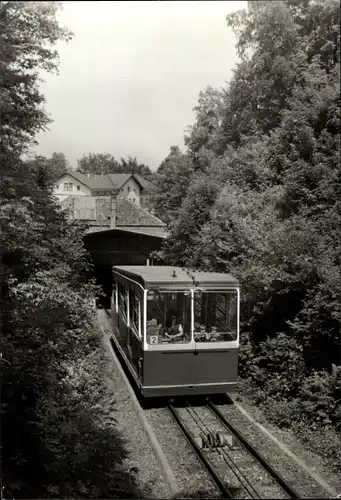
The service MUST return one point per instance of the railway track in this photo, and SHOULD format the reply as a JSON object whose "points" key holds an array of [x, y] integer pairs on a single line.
{"points": [[229, 463], [235, 467]]}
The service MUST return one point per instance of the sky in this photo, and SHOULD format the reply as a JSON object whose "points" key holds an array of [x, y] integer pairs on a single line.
{"points": [[131, 75]]}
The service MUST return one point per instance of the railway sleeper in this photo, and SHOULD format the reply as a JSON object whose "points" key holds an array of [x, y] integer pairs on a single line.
{"points": [[216, 440]]}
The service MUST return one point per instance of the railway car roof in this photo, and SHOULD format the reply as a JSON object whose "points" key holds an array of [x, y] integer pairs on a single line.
{"points": [[164, 275]]}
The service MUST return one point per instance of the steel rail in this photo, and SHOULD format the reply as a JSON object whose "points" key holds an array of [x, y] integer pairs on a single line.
{"points": [[280, 480], [228, 459], [215, 476], [158, 451], [213, 473]]}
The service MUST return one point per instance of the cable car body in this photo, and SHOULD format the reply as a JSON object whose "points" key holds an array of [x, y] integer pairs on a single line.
{"points": [[177, 330]]}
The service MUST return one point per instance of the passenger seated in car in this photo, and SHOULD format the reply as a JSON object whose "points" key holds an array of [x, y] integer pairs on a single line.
{"points": [[152, 329], [214, 335], [200, 336], [175, 331], [196, 328]]}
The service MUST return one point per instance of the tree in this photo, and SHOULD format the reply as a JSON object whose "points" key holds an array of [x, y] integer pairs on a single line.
{"points": [[101, 163], [52, 167], [29, 32], [276, 41], [202, 138], [58, 164], [266, 206], [192, 215], [58, 419], [51, 353], [132, 166], [172, 181]]}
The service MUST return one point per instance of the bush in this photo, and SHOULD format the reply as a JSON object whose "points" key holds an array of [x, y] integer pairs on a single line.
{"points": [[264, 204], [320, 400], [90, 456], [276, 365], [57, 409]]}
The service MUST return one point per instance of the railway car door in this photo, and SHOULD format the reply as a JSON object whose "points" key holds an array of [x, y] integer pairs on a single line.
{"points": [[136, 353], [135, 332]]}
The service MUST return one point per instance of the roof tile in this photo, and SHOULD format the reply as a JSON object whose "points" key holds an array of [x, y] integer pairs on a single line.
{"points": [[97, 210], [108, 182], [92, 181], [117, 180]]}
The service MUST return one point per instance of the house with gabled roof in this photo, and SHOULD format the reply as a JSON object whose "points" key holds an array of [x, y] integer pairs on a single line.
{"points": [[132, 187], [109, 201], [118, 229]]}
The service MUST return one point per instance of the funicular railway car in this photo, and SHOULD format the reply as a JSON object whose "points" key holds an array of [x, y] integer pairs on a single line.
{"points": [[177, 331]]}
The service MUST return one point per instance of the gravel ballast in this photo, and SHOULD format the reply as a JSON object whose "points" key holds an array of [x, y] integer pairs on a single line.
{"points": [[261, 481], [141, 458], [188, 470], [299, 478]]}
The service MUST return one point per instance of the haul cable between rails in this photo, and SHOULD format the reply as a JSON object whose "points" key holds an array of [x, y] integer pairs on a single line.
{"points": [[213, 473], [226, 457], [222, 452]]}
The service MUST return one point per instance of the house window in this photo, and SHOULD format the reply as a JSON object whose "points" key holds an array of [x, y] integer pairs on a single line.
{"points": [[68, 186], [128, 189], [78, 188]]}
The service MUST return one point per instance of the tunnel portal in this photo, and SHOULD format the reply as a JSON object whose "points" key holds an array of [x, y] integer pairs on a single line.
{"points": [[114, 247]]}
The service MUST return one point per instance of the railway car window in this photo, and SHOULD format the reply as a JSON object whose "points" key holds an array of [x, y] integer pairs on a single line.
{"points": [[113, 294], [215, 316], [168, 317], [122, 300], [135, 312]]}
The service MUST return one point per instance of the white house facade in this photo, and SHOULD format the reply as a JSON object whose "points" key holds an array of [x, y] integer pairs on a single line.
{"points": [[131, 191], [128, 186], [67, 185]]}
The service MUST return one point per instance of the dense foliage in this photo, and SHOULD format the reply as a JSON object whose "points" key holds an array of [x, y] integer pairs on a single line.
{"points": [[257, 194], [53, 167], [58, 436], [105, 163]]}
